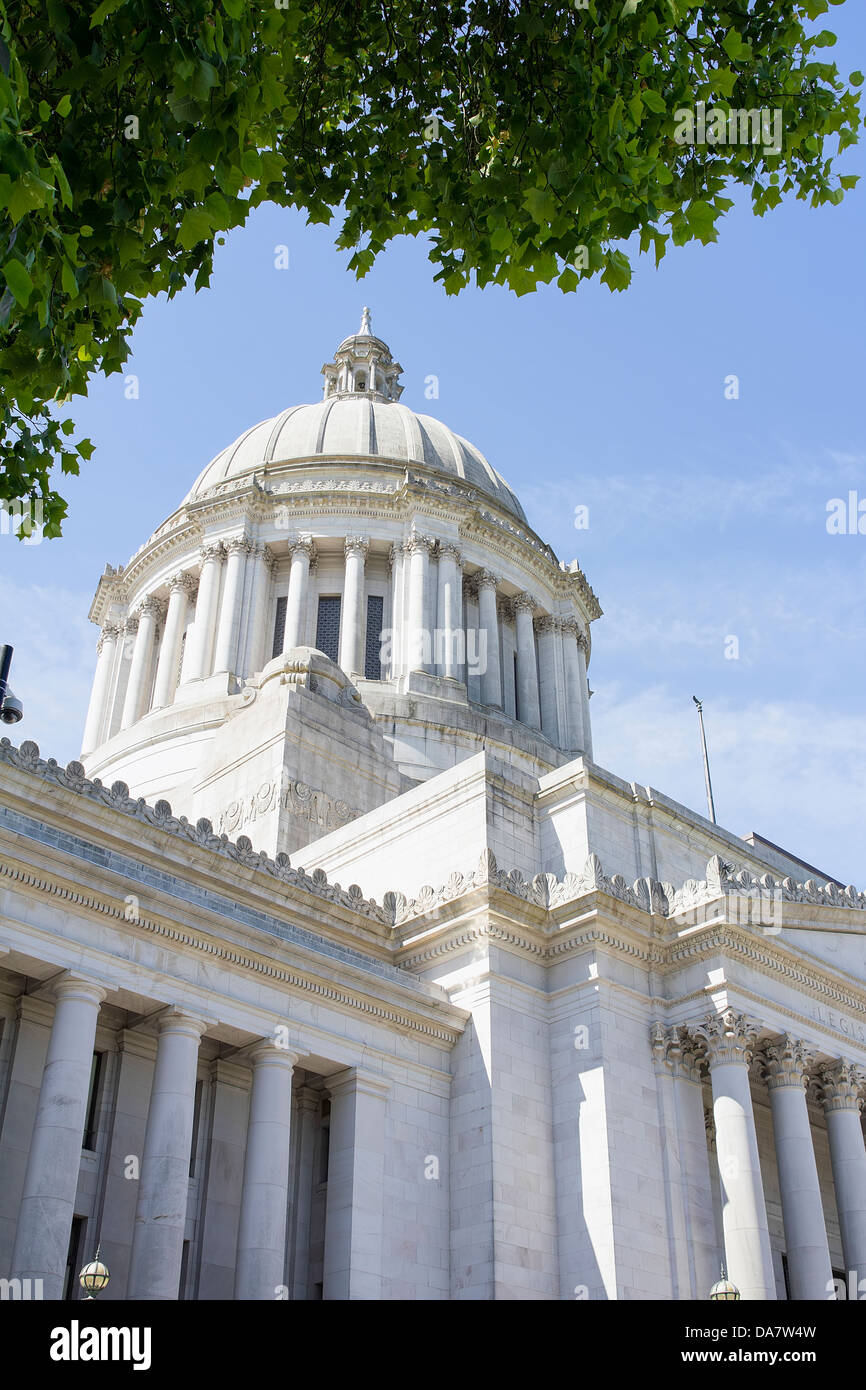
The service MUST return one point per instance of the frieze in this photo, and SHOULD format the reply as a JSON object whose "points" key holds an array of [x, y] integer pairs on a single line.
{"points": [[299, 799]]}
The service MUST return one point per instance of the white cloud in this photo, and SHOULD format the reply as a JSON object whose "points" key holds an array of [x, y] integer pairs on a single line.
{"points": [[53, 664], [787, 769]]}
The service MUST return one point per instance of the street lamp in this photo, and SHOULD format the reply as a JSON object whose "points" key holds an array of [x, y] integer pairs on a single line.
{"points": [[94, 1277], [724, 1291]]}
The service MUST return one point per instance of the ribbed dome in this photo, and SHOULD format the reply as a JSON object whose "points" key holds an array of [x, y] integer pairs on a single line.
{"points": [[355, 425]]}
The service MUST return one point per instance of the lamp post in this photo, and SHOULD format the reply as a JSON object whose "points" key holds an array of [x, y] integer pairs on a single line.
{"points": [[724, 1291], [94, 1277], [710, 805]]}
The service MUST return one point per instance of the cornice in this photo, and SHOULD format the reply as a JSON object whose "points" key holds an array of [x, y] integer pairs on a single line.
{"points": [[248, 960]]}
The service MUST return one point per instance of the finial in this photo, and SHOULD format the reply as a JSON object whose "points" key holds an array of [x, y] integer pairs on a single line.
{"points": [[365, 322]]}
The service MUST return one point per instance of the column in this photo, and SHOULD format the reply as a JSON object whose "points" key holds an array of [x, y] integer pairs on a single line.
{"points": [[308, 1108], [545, 626], [97, 709], [258, 653], [418, 652], [48, 1200], [582, 653], [395, 572], [199, 663], [354, 1218], [261, 1257], [785, 1066], [295, 632], [135, 702], [574, 702], [729, 1039], [180, 587], [352, 617], [226, 651], [488, 623], [163, 1189], [470, 671], [450, 642], [692, 1233], [527, 663], [842, 1089]]}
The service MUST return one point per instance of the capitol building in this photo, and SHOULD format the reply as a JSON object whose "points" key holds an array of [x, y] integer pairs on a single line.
{"points": [[337, 968]]}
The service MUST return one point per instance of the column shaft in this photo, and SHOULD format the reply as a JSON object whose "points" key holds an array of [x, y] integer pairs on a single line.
{"points": [[584, 695], [308, 1105], [295, 631], [527, 664], [98, 707], [258, 653], [809, 1271], [48, 1200], [169, 651], [547, 641], [449, 622], [163, 1191], [352, 617], [488, 621], [226, 652], [843, 1097], [140, 667], [744, 1214], [261, 1254], [199, 663], [418, 637]]}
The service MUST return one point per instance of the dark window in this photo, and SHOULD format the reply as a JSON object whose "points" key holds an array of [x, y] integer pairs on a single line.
{"points": [[516, 688], [279, 627], [184, 1270], [74, 1260], [91, 1122], [196, 1121], [373, 650], [328, 627]]}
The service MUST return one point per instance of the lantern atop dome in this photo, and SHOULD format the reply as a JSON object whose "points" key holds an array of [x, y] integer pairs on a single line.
{"points": [[363, 365]]}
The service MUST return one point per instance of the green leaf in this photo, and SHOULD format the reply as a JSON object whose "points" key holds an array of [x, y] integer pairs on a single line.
{"points": [[64, 105], [27, 193], [103, 11], [541, 205], [195, 227], [654, 102], [234, 8], [19, 282]]}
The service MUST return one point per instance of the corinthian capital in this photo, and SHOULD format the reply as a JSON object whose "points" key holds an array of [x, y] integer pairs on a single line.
{"points": [[182, 582], [546, 623], [785, 1062], [238, 545], [487, 579], [674, 1049], [523, 602], [449, 551], [214, 550], [109, 633], [416, 542], [727, 1037], [151, 606], [356, 545], [843, 1087]]}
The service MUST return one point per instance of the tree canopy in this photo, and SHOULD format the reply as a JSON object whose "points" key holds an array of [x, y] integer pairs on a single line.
{"points": [[532, 142]]}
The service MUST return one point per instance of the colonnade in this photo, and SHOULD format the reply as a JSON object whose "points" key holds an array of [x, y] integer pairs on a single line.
{"points": [[354, 1212], [444, 621], [728, 1046]]}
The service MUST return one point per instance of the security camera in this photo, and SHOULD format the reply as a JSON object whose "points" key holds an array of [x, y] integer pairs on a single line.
{"points": [[12, 711]]}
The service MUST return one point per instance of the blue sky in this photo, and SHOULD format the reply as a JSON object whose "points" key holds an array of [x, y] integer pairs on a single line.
{"points": [[707, 516]]}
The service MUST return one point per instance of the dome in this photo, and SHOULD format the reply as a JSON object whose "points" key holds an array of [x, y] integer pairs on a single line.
{"points": [[359, 418]]}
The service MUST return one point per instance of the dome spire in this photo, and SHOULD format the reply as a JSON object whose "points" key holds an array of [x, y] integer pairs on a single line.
{"points": [[363, 365]]}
